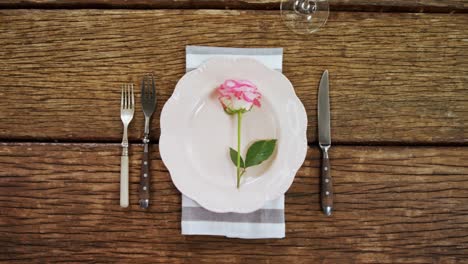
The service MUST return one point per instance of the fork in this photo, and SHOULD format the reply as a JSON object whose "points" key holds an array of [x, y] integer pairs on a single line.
{"points": [[127, 109], [148, 103]]}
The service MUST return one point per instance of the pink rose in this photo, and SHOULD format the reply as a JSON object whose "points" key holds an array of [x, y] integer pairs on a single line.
{"points": [[238, 96]]}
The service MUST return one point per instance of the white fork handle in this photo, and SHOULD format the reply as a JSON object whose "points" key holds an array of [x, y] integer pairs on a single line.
{"points": [[124, 181]]}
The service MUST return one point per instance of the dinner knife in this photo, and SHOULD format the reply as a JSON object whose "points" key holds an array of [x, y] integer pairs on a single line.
{"points": [[326, 185]]}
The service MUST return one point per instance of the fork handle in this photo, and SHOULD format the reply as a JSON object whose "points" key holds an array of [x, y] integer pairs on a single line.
{"points": [[124, 181], [145, 177]]}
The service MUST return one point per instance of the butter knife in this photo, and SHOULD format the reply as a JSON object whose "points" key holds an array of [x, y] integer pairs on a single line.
{"points": [[326, 185]]}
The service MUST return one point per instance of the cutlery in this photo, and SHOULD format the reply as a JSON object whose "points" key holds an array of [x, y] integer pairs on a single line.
{"points": [[326, 190], [148, 102], [127, 108]]}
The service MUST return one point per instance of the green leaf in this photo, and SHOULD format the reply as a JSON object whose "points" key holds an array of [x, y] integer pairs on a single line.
{"points": [[259, 152], [233, 154]]}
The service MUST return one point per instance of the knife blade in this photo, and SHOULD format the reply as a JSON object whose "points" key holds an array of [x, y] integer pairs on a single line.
{"points": [[323, 111]]}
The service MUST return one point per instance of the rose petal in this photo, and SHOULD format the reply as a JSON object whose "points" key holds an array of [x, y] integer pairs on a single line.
{"points": [[237, 95]]}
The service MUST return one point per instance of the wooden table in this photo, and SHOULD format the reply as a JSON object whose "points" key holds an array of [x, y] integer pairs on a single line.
{"points": [[399, 96]]}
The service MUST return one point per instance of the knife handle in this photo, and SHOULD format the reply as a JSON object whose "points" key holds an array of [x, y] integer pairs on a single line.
{"points": [[326, 190], [144, 189]]}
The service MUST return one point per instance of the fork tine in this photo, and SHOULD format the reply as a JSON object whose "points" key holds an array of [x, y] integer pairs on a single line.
{"points": [[148, 84], [133, 98], [129, 97], [126, 96], [122, 97], [143, 95]]}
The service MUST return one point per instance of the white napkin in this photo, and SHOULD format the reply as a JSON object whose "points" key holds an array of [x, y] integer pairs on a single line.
{"points": [[267, 222]]}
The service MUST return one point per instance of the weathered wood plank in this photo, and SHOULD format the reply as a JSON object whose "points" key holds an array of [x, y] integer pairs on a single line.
{"points": [[59, 202], [395, 78], [335, 5]]}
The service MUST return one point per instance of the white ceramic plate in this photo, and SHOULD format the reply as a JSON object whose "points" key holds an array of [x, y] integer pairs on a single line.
{"points": [[196, 135]]}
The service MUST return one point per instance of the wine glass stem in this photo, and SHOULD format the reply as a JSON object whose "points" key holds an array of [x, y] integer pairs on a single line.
{"points": [[305, 6]]}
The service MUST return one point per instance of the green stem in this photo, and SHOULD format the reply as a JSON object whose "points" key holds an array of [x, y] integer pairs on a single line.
{"points": [[239, 121]]}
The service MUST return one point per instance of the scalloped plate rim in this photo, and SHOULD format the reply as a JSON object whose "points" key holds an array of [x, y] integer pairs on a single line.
{"points": [[196, 195]]}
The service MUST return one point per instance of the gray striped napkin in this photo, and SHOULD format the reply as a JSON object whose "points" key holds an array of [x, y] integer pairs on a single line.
{"points": [[267, 222]]}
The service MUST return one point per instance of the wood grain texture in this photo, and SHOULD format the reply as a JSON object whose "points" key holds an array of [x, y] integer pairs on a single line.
{"points": [[335, 5], [395, 78], [60, 202]]}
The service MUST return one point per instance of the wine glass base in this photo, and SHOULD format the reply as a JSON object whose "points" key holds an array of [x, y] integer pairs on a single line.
{"points": [[304, 16]]}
